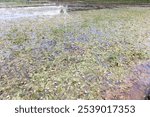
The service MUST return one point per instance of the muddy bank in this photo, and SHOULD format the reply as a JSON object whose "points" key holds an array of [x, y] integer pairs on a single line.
{"points": [[136, 86], [140, 80], [86, 6]]}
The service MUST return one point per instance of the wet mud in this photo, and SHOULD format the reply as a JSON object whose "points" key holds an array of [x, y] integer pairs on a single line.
{"points": [[136, 85], [140, 88]]}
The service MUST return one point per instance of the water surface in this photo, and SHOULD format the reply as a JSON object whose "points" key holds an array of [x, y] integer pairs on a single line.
{"points": [[25, 12]]}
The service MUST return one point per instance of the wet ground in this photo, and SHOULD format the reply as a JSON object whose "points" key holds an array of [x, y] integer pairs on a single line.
{"points": [[137, 85], [15, 64], [140, 82]]}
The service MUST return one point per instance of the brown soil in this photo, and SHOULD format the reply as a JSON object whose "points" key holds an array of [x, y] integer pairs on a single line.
{"points": [[137, 85], [140, 87]]}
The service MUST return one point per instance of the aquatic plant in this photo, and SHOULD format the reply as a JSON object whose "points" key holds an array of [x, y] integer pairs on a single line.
{"points": [[80, 57]]}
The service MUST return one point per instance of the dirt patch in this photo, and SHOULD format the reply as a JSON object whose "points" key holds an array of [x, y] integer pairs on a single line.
{"points": [[140, 87], [136, 85]]}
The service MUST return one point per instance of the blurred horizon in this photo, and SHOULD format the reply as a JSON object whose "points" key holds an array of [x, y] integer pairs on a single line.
{"points": [[88, 1]]}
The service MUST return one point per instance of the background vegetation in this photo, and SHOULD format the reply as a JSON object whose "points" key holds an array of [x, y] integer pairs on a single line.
{"points": [[91, 1]]}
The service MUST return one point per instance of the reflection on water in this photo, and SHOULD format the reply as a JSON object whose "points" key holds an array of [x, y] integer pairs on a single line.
{"points": [[13, 13]]}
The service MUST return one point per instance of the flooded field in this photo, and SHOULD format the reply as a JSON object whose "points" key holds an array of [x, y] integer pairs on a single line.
{"points": [[94, 54]]}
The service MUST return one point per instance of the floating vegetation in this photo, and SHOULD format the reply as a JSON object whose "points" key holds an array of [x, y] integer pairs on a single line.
{"points": [[86, 55]]}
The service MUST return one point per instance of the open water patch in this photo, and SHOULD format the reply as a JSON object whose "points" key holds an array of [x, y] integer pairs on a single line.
{"points": [[26, 12]]}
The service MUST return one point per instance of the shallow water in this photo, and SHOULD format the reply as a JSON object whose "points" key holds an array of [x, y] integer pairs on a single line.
{"points": [[14, 13]]}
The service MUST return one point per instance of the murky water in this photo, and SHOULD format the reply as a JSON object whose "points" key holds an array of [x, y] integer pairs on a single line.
{"points": [[14, 13]]}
